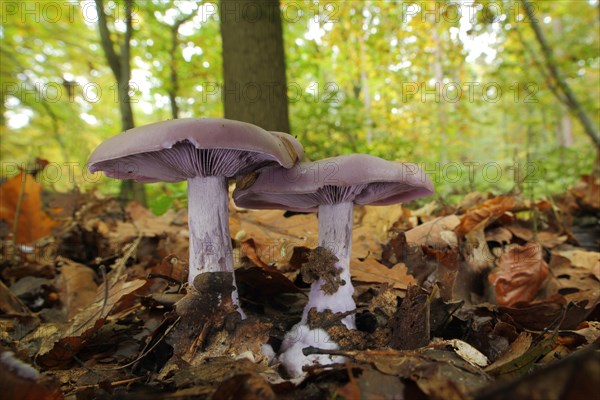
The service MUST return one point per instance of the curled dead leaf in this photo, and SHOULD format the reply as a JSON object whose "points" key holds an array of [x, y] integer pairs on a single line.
{"points": [[370, 270], [519, 275], [484, 214], [33, 222]]}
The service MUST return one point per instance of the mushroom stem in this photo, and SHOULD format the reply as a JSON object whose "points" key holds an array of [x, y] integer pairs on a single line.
{"points": [[208, 219], [335, 234]]}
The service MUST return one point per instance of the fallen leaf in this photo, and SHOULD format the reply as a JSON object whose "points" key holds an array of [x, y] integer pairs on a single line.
{"points": [[218, 369], [372, 384], [274, 235], [587, 193], [34, 223], [546, 238], [410, 323], [244, 387], [484, 214], [351, 390], [523, 352], [371, 270], [371, 227], [467, 352], [573, 377], [10, 305], [517, 348], [538, 314], [77, 286], [265, 281], [579, 286], [476, 251], [86, 323], [438, 233], [499, 234], [519, 275], [588, 260], [439, 374]]}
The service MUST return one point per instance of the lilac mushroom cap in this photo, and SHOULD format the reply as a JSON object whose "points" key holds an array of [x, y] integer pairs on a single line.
{"points": [[205, 152], [332, 186], [360, 178], [180, 149]]}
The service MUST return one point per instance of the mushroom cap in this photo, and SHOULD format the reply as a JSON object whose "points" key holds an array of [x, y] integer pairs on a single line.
{"points": [[175, 150], [360, 178], [292, 143]]}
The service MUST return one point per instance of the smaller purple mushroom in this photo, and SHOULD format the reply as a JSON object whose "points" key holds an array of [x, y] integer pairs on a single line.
{"points": [[205, 152], [332, 186]]}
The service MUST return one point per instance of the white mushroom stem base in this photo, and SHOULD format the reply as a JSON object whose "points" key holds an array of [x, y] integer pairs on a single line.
{"points": [[300, 336], [335, 233], [208, 219]]}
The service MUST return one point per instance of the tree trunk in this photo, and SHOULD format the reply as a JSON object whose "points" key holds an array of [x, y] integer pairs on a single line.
{"points": [[255, 88], [364, 83], [174, 78], [173, 91], [121, 69], [442, 116]]}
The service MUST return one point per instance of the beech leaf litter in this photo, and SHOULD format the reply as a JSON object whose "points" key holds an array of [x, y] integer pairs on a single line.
{"points": [[496, 298]]}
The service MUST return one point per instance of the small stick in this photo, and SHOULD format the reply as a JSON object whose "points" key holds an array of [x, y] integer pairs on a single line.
{"points": [[105, 282], [18, 214], [146, 352], [315, 350], [165, 277], [111, 384]]}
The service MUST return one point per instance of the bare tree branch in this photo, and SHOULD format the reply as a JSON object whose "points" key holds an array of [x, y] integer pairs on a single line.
{"points": [[121, 68], [174, 89], [571, 100], [106, 41]]}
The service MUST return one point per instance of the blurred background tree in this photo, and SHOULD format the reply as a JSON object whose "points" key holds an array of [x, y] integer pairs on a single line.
{"points": [[465, 89]]}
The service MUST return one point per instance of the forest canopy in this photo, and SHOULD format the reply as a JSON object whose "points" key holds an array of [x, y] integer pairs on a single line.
{"points": [[465, 89]]}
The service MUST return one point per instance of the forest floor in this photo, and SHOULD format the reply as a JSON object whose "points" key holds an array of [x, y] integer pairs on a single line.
{"points": [[497, 298]]}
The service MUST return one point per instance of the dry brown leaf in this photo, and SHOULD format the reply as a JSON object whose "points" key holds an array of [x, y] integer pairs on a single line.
{"points": [[587, 192], [150, 225], [439, 374], [499, 234], [437, 233], [77, 286], [244, 386], [274, 235], [410, 328], [519, 275], [517, 348], [267, 280], [589, 260], [10, 305], [34, 222], [476, 251], [546, 238], [370, 270], [370, 384], [365, 243], [484, 214], [471, 200], [577, 284], [86, 323]]}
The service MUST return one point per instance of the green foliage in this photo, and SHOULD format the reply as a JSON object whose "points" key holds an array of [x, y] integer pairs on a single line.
{"points": [[361, 78]]}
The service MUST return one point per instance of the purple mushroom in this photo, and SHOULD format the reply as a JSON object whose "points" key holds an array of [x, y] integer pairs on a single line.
{"points": [[205, 152], [332, 186]]}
